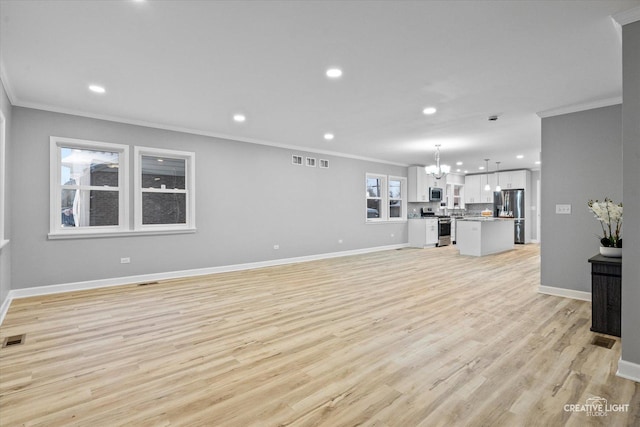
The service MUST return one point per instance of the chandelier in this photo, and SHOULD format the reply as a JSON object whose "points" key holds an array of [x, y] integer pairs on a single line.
{"points": [[438, 171]]}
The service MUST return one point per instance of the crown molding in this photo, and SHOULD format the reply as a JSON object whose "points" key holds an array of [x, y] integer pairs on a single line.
{"points": [[574, 108], [627, 16]]}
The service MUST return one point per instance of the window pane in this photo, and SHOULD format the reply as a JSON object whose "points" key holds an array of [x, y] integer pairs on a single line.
{"points": [[373, 208], [164, 208], [395, 189], [162, 172], [93, 208], [88, 167], [373, 187], [395, 209]]}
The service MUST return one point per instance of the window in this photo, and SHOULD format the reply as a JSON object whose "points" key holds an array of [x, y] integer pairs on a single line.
{"points": [[90, 190], [386, 198], [397, 199], [164, 183], [88, 186], [376, 187]]}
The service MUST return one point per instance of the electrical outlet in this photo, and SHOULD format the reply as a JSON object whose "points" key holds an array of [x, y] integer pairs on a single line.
{"points": [[276, 246], [563, 209], [126, 260]]}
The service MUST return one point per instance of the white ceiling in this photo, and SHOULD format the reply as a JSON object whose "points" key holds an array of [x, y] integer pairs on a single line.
{"points": [[190, 65]]}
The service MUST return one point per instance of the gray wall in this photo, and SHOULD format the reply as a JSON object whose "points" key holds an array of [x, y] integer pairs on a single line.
{"points": [[5, 253], [631, 151], [249, 198], [582, 158]]}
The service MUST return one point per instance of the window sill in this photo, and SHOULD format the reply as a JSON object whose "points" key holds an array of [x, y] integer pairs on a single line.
{"points": [[103, 234]]}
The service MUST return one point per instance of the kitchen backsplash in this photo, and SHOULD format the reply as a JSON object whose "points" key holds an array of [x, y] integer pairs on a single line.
{"points": [[474, 209]]}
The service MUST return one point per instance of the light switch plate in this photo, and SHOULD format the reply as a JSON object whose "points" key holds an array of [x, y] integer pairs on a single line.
{"points": [[563, 209]]}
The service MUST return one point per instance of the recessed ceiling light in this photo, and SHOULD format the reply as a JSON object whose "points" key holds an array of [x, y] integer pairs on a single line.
{"points": [[481, 167], [457, 170], [239, 118], [334, 73], [329, 136], [459, 163], [429, 110], [160, 160], [466, 171], [519, 156], [97, 89], [538, 162]]}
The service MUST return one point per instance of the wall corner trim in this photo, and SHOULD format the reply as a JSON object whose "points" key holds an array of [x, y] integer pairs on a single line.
{"points": [[132, 280], [627, 16], [628, 370], [566, 293]]}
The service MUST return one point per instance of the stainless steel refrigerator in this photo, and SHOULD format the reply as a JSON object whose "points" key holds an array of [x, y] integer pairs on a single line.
{"points": [[510, 204]]}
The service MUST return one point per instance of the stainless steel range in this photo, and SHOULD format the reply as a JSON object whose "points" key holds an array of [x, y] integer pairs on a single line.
{"points": [[444, 230]]}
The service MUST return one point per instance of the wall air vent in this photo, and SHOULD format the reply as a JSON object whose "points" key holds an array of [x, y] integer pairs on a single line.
{"points": [[296, 160], [324, 163], [311, 162]]}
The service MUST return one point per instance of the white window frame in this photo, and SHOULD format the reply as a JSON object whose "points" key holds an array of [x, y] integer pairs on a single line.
{"points": [[55, 228], [385, 214], [403, 198], [384, 196], [3, 163], [190, 159]]}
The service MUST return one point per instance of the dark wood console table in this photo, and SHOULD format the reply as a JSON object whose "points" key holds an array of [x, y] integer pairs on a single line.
{"points": [[606, 299]]}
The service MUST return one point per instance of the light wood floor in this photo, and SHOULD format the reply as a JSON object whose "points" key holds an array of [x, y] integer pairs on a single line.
{"points": [[397, 338]]}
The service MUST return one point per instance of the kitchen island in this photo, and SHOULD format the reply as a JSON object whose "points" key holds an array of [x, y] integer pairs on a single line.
{"points": [[479, 236]]}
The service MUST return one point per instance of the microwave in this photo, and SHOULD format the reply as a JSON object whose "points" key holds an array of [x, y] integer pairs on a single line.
{"points": [[435, 194]]}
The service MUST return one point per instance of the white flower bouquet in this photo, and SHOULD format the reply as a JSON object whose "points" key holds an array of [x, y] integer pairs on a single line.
{"points": [[610, 216]]}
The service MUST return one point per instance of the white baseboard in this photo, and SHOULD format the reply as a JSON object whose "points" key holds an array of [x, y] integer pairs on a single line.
{"points": [[129, 280], [628, 370], [567, 293]]}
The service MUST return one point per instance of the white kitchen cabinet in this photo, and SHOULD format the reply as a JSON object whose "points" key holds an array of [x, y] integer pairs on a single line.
{"points": [[423, 232], [419, 182], [487, 196], [437, 183], [472, 189], [417, 186], [514, 179]]}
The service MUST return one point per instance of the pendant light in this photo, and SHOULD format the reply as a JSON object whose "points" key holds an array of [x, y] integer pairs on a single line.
{"points": [[498, 176], [438, 171], [487, 187]]}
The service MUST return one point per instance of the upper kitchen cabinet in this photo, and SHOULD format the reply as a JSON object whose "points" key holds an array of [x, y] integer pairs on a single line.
{"points": [[474, 191], [419, 182], [514, 179]]}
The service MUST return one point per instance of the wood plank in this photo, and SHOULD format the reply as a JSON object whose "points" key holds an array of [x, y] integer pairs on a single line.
{"points": [[396, 338]]}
